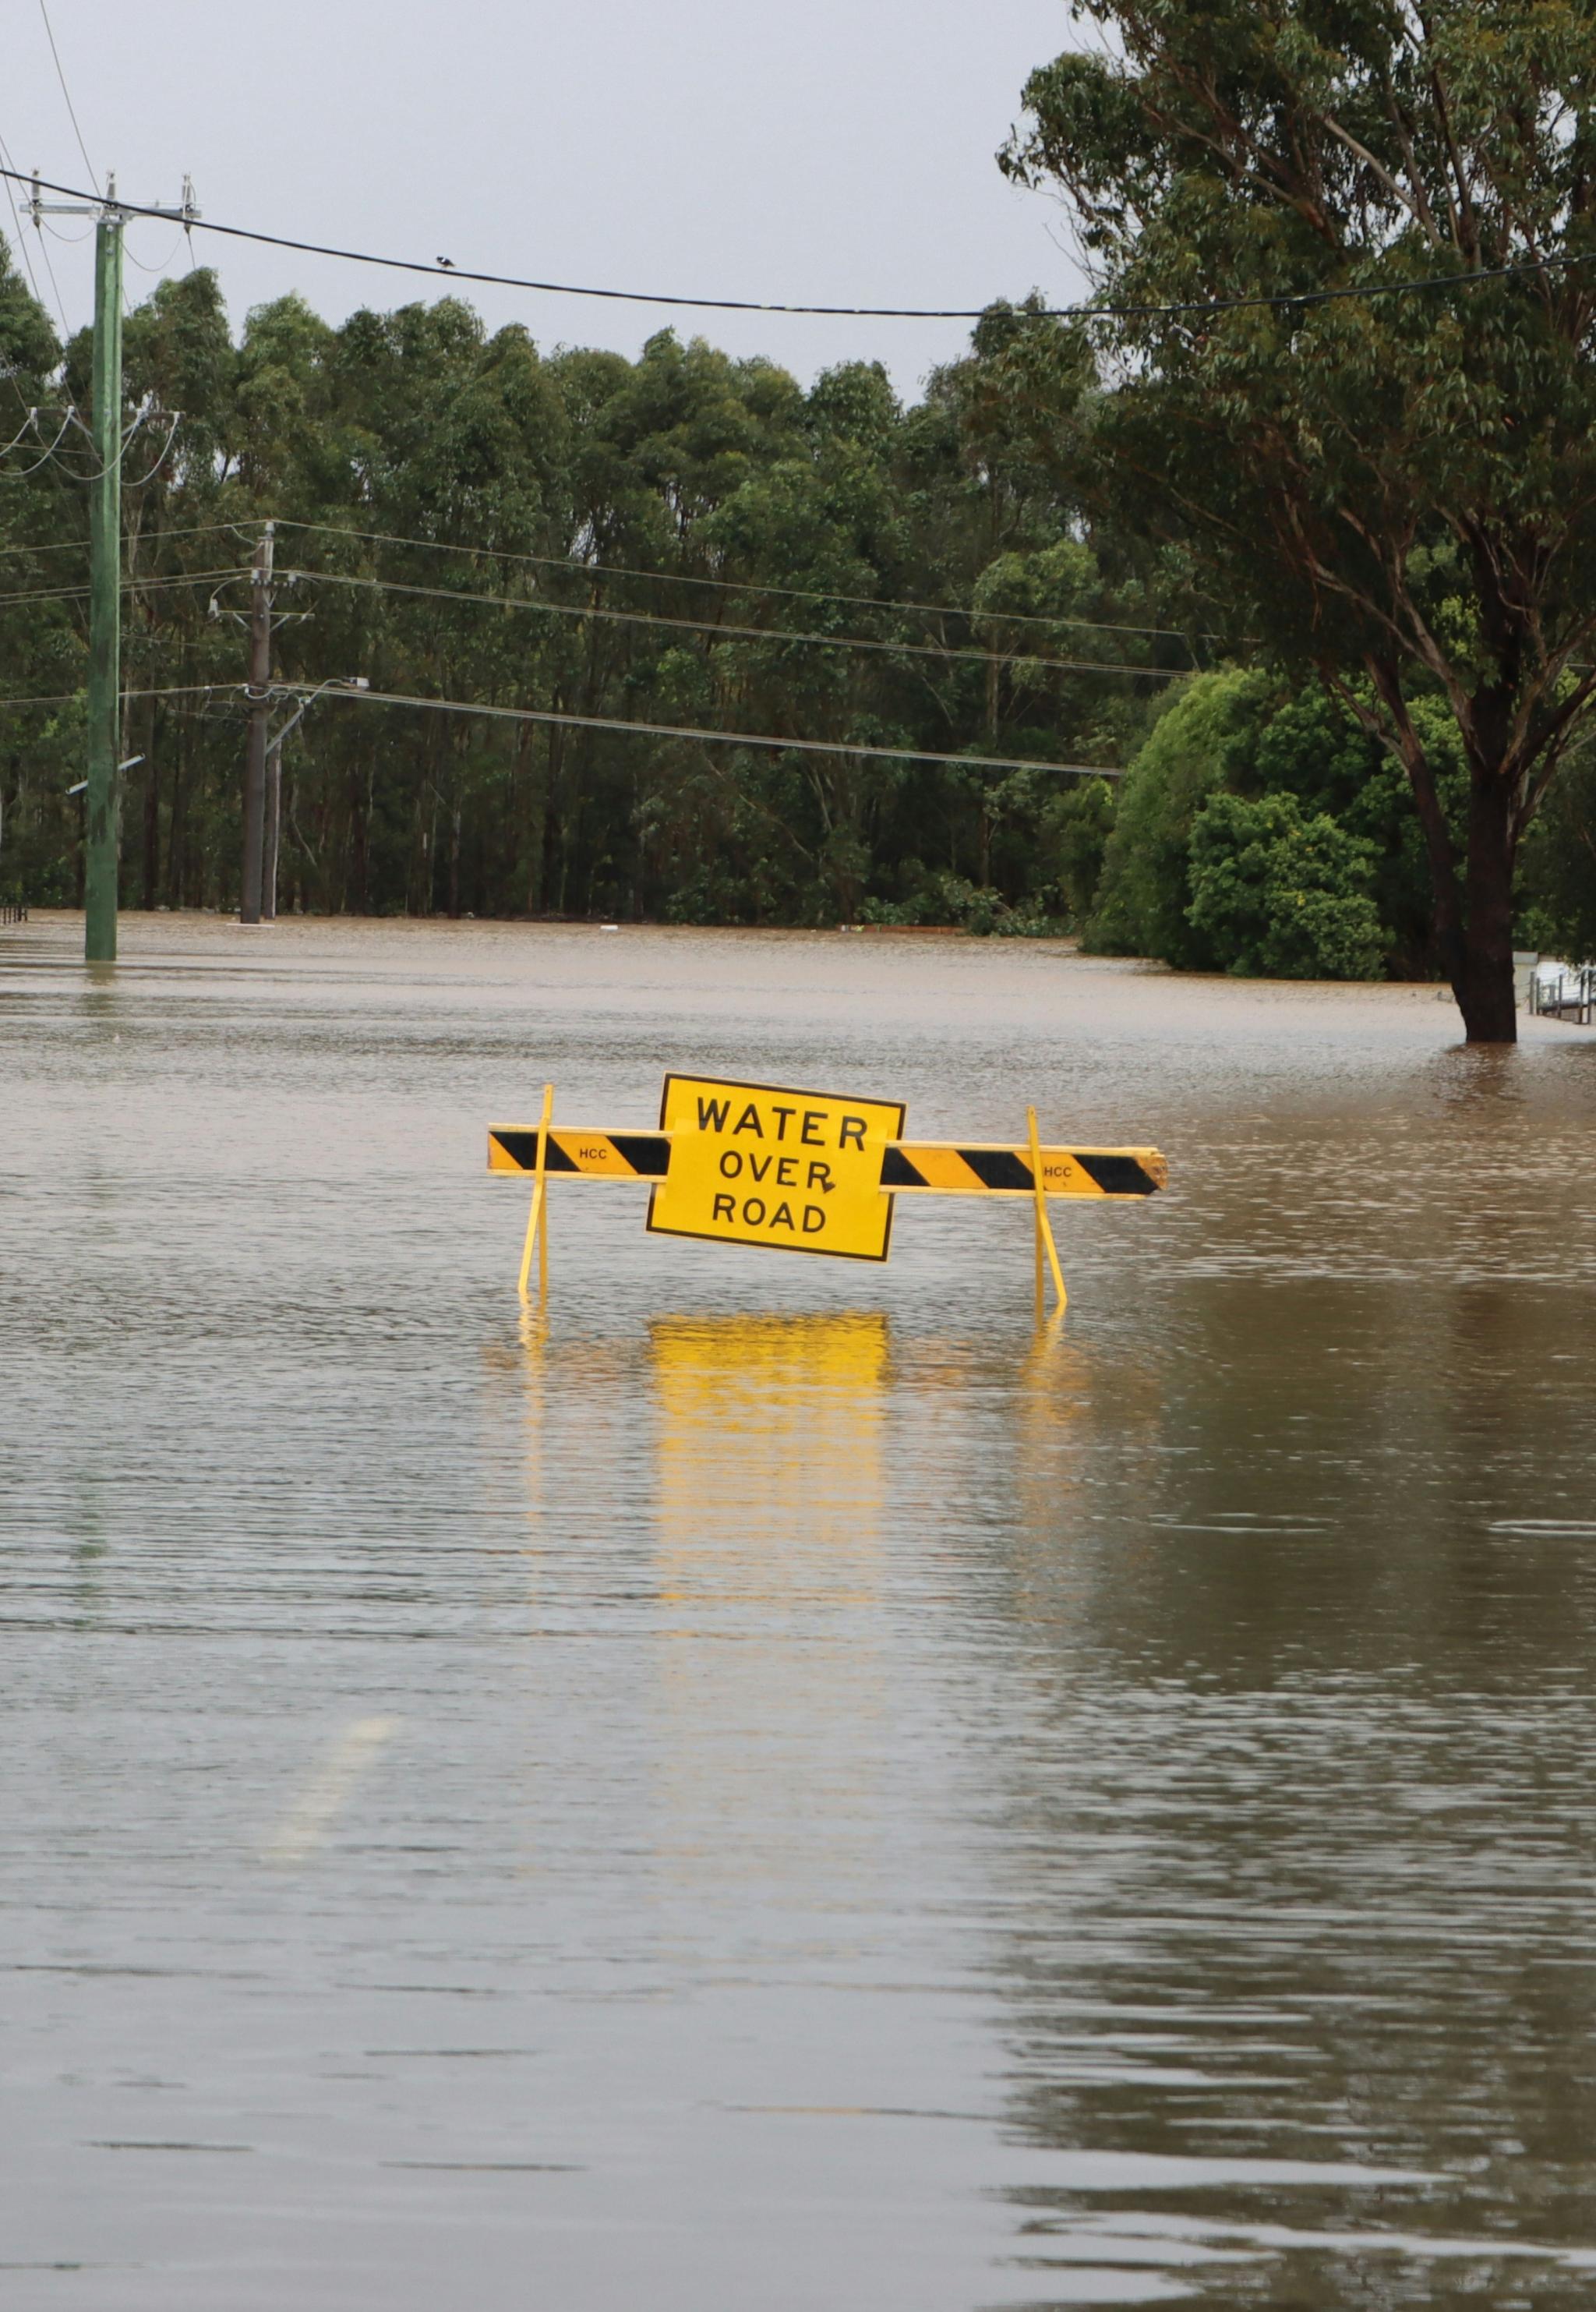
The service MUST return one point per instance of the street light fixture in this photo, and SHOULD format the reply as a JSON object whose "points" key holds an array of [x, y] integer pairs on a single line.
{"points": [[132, 763], [82, 787]]}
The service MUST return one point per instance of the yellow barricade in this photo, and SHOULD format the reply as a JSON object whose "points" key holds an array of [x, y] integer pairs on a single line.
{"points": [[936, 1168], [803, 1172]]}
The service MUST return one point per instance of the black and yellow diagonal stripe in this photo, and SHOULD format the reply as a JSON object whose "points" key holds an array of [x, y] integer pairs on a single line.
{"points": [[597, 1155], [930, 1167], [991, 1168]]}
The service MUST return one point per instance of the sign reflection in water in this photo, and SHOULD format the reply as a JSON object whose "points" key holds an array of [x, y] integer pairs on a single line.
{"points": [[770, 1495]]}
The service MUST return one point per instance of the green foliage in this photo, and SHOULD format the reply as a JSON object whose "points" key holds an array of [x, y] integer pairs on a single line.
{"points": [[1392, 491], [1283, 896], [949, 902], [1314, 750], [1076, 828], [1558, 881], [674, 539], [745, 524], [1231, 742], [1144, 900]]}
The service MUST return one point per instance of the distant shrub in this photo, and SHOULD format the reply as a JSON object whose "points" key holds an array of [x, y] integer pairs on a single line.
{"points": [[948, 900], [1144, 898], [1076, 828], [1281, 895], [1557, 867]]}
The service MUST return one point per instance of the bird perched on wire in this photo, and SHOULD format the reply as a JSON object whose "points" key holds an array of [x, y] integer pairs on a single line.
{"points": [[447, 264]]}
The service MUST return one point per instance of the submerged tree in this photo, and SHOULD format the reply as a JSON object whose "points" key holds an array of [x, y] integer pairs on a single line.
{"points": [[1394, 490]]}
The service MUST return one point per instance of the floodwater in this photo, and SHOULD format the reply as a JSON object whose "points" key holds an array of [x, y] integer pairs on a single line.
{"points": [[783, 1786]]}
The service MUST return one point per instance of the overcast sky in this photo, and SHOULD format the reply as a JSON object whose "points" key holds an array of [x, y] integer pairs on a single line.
{"points": [[839, 152]]}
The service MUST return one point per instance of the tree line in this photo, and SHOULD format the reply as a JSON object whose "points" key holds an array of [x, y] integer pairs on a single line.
{"points": [[684, 540], [1296, 529]]}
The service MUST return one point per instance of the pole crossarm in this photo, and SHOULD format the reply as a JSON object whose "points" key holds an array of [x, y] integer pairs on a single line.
{"points": [[110, 208], [965, 1167]]}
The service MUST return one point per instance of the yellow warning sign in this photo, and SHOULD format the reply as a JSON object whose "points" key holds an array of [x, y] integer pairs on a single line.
{"points": [[757, 1164]]}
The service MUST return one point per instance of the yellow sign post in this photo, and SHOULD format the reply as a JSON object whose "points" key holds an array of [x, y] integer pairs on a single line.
{"points": [[797, 1171], [803, 1172], [537, 1232], [1044, 1227]]}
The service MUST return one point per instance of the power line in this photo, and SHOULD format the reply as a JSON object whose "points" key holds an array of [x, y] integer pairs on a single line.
{"points": [[165, 452], [579, 567], [614, 722], [75, 546], [729, 585], [21, 236], [17, 439], [658, 619], [626, 617], [67, 92], [61, 304], [716, 626], [134, 585], [165, 262], [91, 474], [168, 690], [48, 454], [1184, 307], [615, 570], [717, 738]]}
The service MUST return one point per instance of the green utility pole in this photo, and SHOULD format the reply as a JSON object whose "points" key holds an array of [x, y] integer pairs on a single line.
{"points": [[102, 817], [103, 835]]}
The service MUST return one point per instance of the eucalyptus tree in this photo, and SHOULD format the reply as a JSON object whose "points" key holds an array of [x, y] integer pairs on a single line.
{"points": [[684, 539], [41, 651], [1394, 488]]}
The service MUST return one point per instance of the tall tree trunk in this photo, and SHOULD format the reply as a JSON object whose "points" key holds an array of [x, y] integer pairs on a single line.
{"points": [[532, 865], [359, 819], [153, 811], [176, 830], [1482, 977], [1473, 911], [546, 821]]}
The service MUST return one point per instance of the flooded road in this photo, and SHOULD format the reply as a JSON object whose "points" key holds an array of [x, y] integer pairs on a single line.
{"points": [[782, 1787]]}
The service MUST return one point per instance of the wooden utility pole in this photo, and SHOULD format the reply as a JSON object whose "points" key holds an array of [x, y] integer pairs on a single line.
{"points": [[255, 752], [274, 832]]}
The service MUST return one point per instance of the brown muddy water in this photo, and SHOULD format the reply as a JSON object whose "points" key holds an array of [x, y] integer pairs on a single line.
{"points": [[786, 1790]]}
